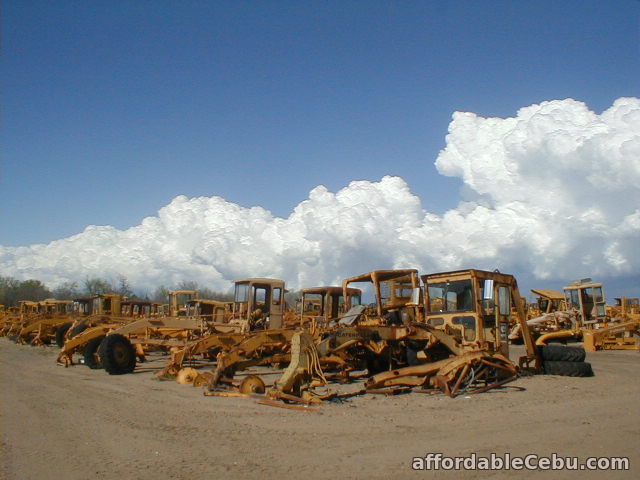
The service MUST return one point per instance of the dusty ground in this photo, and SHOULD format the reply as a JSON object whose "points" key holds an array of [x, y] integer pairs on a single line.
{"points": [[77, 423]]}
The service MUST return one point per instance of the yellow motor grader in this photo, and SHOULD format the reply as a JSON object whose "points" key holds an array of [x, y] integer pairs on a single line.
{"points": [[260, 343], [24, 314], [35, 323], [117, 342], [41, 328], [254, 326], [451, 336], [473, 308], [548, 314], [321, 304], [99, 309], [597, 326]]}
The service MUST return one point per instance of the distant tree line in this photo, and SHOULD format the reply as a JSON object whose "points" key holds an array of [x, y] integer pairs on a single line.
{"points": [[12, 290]]}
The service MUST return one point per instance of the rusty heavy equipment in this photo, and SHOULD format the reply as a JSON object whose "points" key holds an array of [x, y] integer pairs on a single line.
{"points": [[468, 313], [256, 317], [213, 311], [397, 295], [25, 313], [547, 301], [598, 327], [462, 344], [322, 304], [35, 323], [261, 344], [548, 314], [453, 340], [452, 336], [303, 374], [41, 328], [449, 336], [621, 332], [117, 342], [88, 312], [178, 300]]}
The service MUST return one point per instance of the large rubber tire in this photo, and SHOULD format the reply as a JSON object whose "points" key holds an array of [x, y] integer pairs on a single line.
{"points": [[557, 353], [81, 327], [91, 357], [567, 369], [117, 354], [61, 331]]}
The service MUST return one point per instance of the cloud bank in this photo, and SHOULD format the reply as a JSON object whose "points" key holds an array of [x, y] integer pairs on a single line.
{"points": [[553, 192]]}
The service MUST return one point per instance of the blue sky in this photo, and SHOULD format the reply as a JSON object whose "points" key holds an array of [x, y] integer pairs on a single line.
{"points": [[111, 109]]}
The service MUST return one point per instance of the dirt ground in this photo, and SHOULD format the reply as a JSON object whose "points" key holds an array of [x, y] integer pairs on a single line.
{"points": [[77, 423]]}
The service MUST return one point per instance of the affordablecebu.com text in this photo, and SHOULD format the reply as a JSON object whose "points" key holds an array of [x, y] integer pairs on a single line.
{"points": [[438, 461]]}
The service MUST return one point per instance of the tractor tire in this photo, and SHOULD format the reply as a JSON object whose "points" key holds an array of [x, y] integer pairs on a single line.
{"points": [[117, 354], [567, 369], [61, 331], [557, 353], [81, 327], [91, 357]]}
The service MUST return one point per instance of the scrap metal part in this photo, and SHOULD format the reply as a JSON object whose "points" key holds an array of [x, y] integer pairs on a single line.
{"points": [[304, 368], [252, 384], [452, 375]]}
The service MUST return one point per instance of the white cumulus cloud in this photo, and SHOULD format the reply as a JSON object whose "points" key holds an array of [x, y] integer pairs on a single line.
{"points": [[553, 191]]}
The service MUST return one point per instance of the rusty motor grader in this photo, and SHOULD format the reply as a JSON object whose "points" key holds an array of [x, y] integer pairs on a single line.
{"points": [[25, 313], [117, 341], [35, 323], [41, 330], [451, 335], [599, 327], [322, 304], [253, 334], [548, 314], [448, 335], [259, 343]]}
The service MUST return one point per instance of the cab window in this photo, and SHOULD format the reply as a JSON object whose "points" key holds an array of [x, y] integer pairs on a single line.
{"points": [[451, 296]]}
